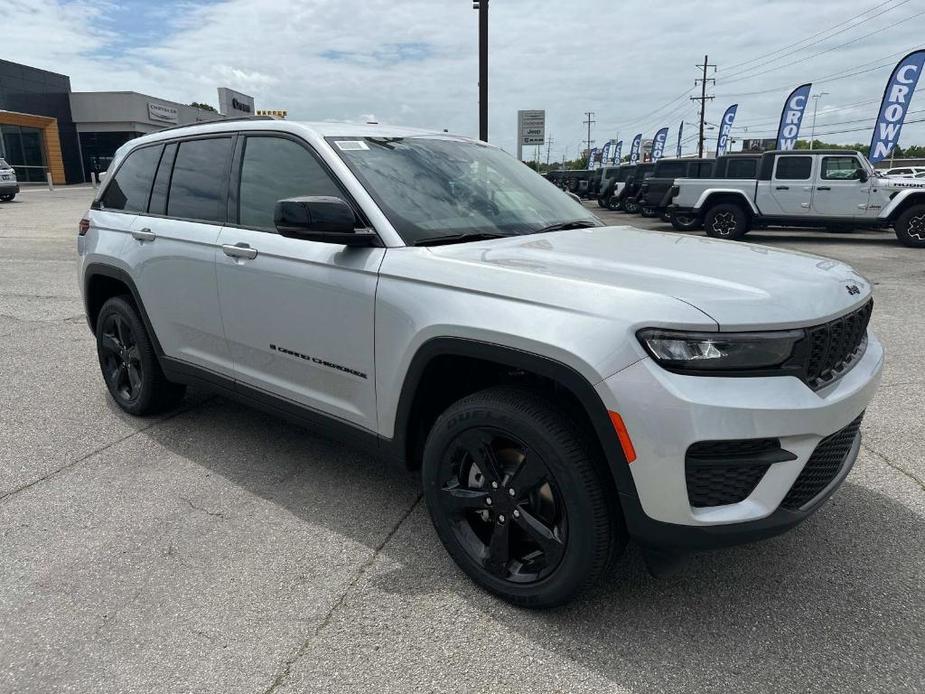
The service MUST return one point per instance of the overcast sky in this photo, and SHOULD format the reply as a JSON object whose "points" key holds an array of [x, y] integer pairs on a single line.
{"points": [[414, 62]]}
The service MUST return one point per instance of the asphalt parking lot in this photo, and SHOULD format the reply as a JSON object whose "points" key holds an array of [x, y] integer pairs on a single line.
{"points": [[216, 549]]}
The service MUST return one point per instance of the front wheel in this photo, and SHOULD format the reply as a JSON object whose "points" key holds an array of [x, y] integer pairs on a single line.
{"points": [[6, 197], [630, 206], [615, 204], [726, 221], [516, 499], [684, 222], [910, 227]]}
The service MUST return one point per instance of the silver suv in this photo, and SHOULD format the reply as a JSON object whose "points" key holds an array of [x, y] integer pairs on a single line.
{"points": [[562, 386], [9, 186]]}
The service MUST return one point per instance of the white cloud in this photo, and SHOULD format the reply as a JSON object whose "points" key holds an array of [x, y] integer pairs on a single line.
{"points": [[414, 62]]}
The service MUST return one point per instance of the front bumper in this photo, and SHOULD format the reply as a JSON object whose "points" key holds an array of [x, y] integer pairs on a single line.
{"points": [[665, 413], [7, 187]]}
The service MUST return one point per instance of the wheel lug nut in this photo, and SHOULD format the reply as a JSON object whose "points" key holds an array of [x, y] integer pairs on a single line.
{"points": [[488, 501], [501, 518], [511, 492], [516, 513], [494, 485]]}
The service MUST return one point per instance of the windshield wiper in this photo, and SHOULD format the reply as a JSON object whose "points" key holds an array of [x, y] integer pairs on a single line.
{"points": [[563, 226], [459, 238]]}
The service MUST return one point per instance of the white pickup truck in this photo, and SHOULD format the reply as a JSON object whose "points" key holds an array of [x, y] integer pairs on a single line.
{"points": [[820, 188]]}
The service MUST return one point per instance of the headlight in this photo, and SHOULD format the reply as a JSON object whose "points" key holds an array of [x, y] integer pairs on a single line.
{"points": [[689, 351]]}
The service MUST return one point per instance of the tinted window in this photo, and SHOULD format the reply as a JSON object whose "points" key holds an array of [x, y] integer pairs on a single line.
{"points": [[742, 168], [197, 188], [162, 180], [840, 168], [672, 169], [274, 169], [794, 168], [131, 185], [702, 170]]}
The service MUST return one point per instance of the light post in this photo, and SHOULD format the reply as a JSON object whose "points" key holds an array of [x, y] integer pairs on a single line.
{"points": [[482, 7], [812, 132]]}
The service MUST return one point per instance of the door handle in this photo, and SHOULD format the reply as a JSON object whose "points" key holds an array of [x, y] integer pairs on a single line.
{"points": [[239, 250], [144, 234], [782, 188], [823, 188]]}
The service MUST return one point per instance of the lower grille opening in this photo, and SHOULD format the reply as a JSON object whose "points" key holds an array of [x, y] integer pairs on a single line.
{"points": [[727, 472], [823, 466]]}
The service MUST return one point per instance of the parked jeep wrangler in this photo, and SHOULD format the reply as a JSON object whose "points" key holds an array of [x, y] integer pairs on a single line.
{"points": [[612, 194], [560, 386], [634, 185], [654, 192], [830, 189], [733, 165]]}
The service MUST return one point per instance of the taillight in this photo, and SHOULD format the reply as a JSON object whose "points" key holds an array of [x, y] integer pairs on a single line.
{"points": [[83, 227]]}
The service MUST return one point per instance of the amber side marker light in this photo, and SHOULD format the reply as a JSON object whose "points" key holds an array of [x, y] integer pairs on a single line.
{"points": [[625, 442]]}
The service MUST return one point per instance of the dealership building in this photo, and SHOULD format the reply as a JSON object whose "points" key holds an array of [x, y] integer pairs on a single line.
{"points": [[45, 128]]}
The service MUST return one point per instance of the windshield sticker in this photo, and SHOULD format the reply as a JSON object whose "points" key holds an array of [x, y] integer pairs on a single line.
{"points": [[347, 145]]}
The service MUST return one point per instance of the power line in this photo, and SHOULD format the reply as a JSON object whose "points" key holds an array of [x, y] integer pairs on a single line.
{"points": [[703, 97], [788, 47]]}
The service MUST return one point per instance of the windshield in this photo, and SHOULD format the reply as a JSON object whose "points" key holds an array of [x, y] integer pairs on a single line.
{"points": [[439, 186]]}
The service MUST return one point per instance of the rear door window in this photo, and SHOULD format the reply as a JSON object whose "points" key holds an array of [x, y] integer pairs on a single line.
{"points": [[197, 187], [742, 168], [130, 188], [793, 168]]}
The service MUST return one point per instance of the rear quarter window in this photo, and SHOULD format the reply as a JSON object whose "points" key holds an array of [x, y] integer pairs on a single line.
{"points": [[130, 188], [742, 168]]}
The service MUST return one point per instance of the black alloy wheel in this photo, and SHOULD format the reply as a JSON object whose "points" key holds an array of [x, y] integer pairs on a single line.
{"points": [[615, 204], [726, 221], [7, 197], [910, 227], [120, 359], [516, 497], [128, 362], [506, 510]]}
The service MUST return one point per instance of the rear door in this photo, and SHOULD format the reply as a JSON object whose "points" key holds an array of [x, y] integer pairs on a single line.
{"points": [[298, 314], [839, 192], [791, 185], [173, 248]]}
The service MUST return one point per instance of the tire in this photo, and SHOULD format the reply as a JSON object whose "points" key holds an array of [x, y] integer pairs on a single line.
{"points": [[601, 203], [684, 222], [7, 197], [128, 363], [647, 212], [630, 206], [536, 547], [726, 221], [910, 227], [615, 204]]}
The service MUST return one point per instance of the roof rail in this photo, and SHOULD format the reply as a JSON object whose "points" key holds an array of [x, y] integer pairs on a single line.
{"points": [[217, 120]]}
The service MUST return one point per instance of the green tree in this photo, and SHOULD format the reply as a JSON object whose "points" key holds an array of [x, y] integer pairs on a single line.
{"points": [[204, 107]]}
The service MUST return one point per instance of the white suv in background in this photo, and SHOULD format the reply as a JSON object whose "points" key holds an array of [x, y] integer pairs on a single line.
{"points": [[561, 385], [9, 186], [904, 172]]}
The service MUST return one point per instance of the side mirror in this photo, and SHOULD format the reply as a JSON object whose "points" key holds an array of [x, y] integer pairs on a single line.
{"points": [[320, 218], [862, 175]]}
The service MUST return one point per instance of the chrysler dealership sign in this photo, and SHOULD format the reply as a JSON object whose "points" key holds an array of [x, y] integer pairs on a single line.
{"points": [[162, 113]]}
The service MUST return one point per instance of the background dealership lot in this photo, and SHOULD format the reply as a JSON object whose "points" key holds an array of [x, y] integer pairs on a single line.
{"points": [[219, 549]]}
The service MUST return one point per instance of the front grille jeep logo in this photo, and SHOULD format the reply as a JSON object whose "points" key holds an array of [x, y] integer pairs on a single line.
{"points": [[852, 289]]}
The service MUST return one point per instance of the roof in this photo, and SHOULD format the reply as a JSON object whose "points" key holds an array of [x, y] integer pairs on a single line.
{"points": [[843, 152]]}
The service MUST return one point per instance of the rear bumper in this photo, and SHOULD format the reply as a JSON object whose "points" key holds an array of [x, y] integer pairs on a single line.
{"points": [[677, 411], [7, 187]]}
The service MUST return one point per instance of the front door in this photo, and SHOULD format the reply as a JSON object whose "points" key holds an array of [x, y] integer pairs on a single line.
{"points": [[298, 315], [792, 186], [839, 191]]}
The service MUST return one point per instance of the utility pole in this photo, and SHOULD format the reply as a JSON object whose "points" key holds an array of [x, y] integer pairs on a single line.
{"points": [[812, 133], [482, 7], [548, 145], [703, 97], [589, 123]]}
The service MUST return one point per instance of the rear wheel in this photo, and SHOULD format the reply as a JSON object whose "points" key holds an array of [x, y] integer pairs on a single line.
{"points": [[910, 227], [630, 206], [684, 222], [6, 197], [615, 204], [726, 221], [648, 211], [516, 499], [128, 362]]}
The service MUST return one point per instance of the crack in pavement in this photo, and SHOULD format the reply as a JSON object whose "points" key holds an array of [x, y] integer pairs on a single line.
{"points": [[303, 650], [73, 463], [216, 514], [895, 466]]}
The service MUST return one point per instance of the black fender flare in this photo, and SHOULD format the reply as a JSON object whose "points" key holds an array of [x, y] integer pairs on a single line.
{"points": [[94, 270], [515, 358]]}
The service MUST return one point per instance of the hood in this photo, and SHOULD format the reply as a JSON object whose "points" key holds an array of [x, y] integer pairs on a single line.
{"points": [[740, 286]]}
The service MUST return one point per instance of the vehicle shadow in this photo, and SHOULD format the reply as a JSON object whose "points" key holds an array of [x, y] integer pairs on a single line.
{"points": [[833, 605]]}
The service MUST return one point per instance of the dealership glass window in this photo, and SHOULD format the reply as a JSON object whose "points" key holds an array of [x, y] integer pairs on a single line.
{"points": [[742, 168], [129, 189], [23, 148], [197, 187], [793, 168], [275, 168], [840, 168]]}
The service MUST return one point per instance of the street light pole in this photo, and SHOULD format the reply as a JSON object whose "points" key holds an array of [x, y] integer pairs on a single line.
{"points": [[812, 132], [482, 7]]}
